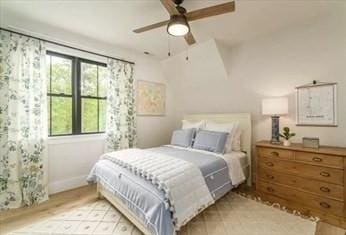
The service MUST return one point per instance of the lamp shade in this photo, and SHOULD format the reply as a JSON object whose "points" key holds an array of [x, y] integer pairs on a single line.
{"points": [[275, 106]]}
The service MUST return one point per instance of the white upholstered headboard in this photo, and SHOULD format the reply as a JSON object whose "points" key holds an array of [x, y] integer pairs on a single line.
{"points": [[244, 120]]}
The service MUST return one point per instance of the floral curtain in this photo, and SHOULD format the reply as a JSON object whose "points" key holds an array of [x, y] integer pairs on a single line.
{"points": [[120, 117], [23, 121]]}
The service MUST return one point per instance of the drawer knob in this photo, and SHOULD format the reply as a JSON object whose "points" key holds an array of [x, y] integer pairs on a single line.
{"points": [[324, 174], [269, 164], [270, 189], [276, 154], [270, 177], [324, 205], [325, 189], [317, 159]]}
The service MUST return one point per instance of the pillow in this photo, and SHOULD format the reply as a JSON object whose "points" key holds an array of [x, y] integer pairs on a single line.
{"points": [[220, 127], [195, 125], [211, 141], [233, 128], [228, 127], [183, 138]]}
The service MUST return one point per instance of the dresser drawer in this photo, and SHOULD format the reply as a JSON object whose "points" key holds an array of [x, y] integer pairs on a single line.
{"points": [[321, 188], [321, 159], [322, 204], [275, 153], [325, 174], [280, 191], [287, 167], [310, 200]]}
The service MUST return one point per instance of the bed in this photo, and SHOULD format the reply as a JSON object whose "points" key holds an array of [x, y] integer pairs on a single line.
{"points": [[145, 203]]}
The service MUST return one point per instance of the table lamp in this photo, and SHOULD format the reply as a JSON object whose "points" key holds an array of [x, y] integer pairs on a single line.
{"points": [[275, 107]]}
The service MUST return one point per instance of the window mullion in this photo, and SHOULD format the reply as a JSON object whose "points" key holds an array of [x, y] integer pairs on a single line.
{"points": [[76, 125], [50, 98], [98, 102]]}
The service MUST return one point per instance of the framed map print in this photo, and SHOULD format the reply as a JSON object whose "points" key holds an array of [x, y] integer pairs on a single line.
{"points": [[316, 105], [151, 98]]}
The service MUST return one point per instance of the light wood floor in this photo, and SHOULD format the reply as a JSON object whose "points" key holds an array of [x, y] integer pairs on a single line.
{"points": [[60, 202]]}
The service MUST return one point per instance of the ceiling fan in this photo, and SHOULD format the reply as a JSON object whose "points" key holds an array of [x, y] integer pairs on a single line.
{"points": [[178, 25]]}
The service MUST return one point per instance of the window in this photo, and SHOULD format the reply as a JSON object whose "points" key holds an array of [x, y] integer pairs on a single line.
{"points": [[93, 96], [59, 69], [76, 95]]}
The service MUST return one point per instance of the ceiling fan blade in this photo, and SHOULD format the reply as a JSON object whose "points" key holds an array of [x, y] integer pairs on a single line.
{"points": [[210, 11], [150, 27], [170, 7], [189, 38]]}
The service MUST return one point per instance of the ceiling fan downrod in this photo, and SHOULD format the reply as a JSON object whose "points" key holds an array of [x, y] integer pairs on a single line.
{"points": [[178, 2], [179, 8]]}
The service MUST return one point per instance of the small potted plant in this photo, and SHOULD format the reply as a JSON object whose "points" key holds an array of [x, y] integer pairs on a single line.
{"points": [[287, 136]]}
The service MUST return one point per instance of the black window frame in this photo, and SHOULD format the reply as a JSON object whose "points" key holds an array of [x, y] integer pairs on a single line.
{"points": [[75, 94]]}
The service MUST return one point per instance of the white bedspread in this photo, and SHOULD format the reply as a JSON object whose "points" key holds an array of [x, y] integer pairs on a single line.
{"points": [[236, 165], [182, 182], [235, 162]]}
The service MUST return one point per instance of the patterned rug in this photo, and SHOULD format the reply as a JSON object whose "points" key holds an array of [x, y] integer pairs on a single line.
{"points": [[234, 214]]}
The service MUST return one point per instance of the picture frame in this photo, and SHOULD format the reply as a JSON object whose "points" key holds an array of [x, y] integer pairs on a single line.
{"points": [[311, 142], [317, 105], [151, 98]]}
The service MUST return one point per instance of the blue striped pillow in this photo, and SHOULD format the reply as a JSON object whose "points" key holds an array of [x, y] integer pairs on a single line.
{"points": [[212, 141]]}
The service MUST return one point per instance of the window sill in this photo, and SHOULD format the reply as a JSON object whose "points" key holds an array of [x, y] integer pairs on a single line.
{"points": [[75, 138]]}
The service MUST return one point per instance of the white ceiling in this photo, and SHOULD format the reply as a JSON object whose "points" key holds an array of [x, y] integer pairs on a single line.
{"points": [[113, 21]]}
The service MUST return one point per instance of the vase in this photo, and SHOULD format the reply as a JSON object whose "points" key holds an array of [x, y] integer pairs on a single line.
{"points": [[287, 142]]}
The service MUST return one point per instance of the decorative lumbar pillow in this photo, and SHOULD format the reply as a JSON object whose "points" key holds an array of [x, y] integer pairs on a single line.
{"points": [[183, 138], [195, 125], [211, 141], [229, 127]]}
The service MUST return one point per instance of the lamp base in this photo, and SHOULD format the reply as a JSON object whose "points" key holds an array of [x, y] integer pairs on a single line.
{"points": [[275, 130]]}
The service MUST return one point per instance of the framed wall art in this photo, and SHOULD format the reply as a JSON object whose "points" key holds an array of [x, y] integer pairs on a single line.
{"points": [[151, 98], [317, 104]]}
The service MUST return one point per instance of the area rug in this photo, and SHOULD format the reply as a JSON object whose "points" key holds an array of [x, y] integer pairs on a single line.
{"points": [[234, 214]]}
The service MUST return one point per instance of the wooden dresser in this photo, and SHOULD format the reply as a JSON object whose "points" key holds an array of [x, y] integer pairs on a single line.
{"points": [[308, 180]]}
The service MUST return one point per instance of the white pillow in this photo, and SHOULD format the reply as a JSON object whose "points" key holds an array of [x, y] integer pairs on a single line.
{"points": [[236, 138], [228, 127], [195, 125], [220, 127]]}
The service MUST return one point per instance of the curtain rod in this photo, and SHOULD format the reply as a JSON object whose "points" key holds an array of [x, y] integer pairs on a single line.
{"points": [[67, 46]]}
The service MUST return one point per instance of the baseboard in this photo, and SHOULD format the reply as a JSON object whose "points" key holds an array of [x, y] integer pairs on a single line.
{"points": [[63, 185]]}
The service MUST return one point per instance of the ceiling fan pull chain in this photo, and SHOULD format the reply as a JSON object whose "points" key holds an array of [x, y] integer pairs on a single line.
{"points": [[187, 53], [169, 46]]}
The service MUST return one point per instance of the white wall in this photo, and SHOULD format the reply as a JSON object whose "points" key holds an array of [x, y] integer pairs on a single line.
{"points": [[236, 79], [70, 160]]}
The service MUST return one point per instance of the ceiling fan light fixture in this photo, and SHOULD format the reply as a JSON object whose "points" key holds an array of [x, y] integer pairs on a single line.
{"points": [[178, 26]]}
